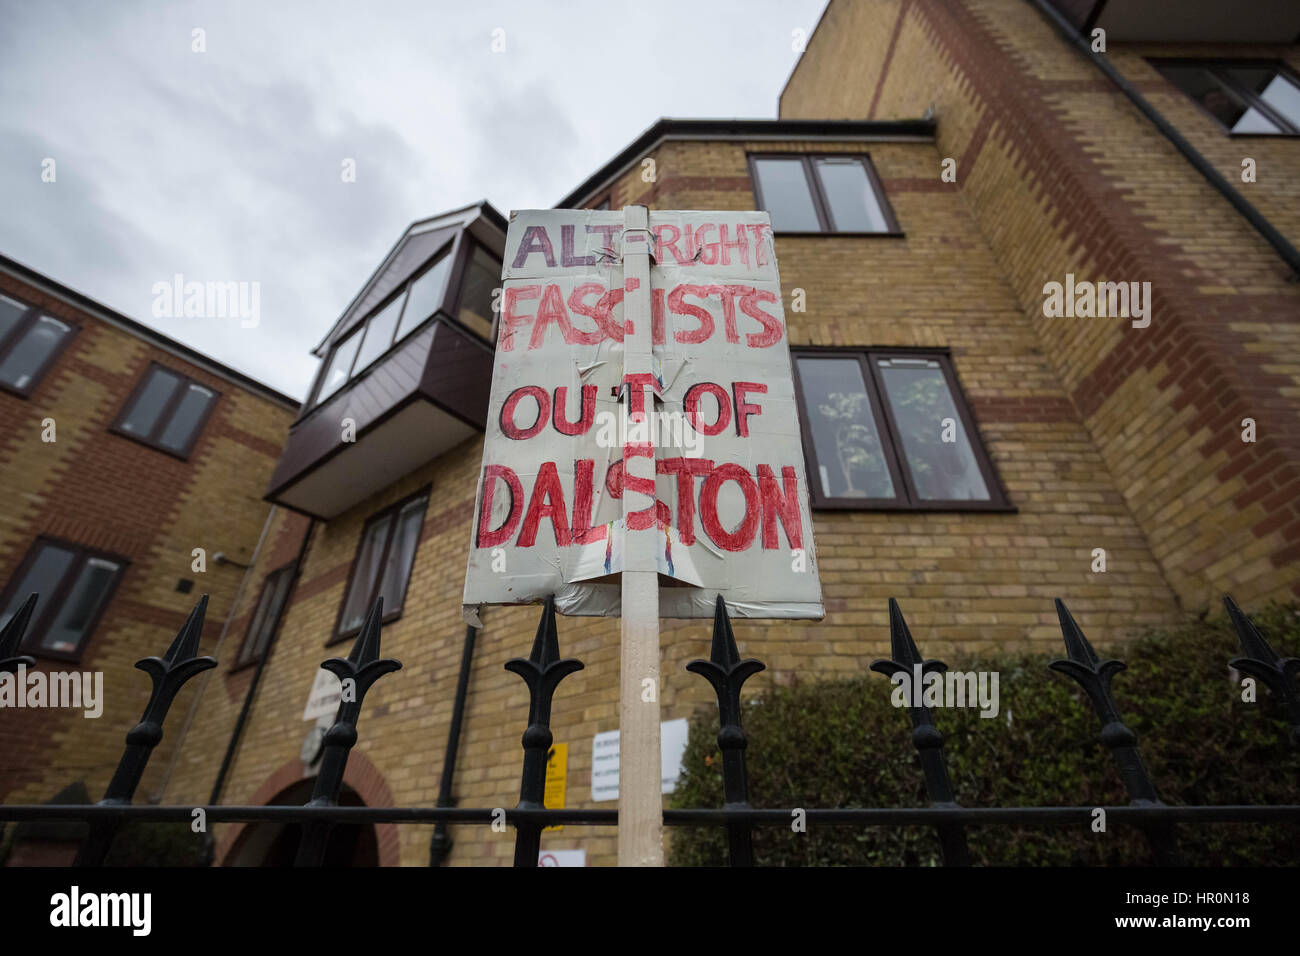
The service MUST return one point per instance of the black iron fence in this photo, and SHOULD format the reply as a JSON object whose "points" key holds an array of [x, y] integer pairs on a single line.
{"points": [[543, 670]]}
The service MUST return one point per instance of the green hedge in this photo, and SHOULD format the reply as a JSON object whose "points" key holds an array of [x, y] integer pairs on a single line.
{"points": [[842, 744]]}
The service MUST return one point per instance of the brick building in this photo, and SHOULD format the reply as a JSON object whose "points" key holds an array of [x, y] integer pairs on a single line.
{"points": [[910, 296], [121, 452]]}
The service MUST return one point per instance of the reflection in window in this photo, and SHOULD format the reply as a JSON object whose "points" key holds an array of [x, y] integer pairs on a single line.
{"points": [[270, 605], [481, 279], [937, 451], [383, 563], [11, 313], [886, 429], [185, 420], [29, 341], [340, 366], [849, 196], [846, 440], [820, 194], [379, 333], [786, 195], [167, 411], [74, 586], [1244, 97], [426, 295]]}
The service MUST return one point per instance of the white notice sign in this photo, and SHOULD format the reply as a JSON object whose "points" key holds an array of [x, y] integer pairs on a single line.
{"points": [[604, 759], [326, 694], [562, 858], [716, 413]]}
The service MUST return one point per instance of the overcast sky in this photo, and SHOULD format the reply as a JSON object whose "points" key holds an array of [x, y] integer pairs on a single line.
{"points": [[225, 165]]}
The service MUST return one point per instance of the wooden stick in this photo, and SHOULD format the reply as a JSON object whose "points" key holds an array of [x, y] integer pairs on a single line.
{"points": [[640, 802]]}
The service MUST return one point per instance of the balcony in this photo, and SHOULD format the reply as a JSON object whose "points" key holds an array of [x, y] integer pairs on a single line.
{"points": [[406, 370], [1186, 21]]}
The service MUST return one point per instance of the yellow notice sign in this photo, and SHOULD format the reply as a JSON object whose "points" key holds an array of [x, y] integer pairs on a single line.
{"points": [[557, 778]]}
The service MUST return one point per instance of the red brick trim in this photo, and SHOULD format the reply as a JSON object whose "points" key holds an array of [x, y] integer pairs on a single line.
{"points": [[889, 56], [918, 184], [996, 408], [361, 775]]}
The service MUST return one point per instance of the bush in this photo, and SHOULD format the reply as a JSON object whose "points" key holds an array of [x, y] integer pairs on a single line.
{"points": [[842, 744], [156, 844]]}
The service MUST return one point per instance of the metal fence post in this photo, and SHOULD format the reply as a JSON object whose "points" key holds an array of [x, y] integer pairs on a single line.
{"points": [[926, 737], [542, 671], [1261, 661], [1094, 676], [727, 673], [357, 673], [11, 638], [168, 673]]}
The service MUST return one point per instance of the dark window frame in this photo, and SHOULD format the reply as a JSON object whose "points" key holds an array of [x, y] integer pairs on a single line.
{"points": [[48, 605], [153, 439], [906, 498], [246, 657], [821, 206], [390, 614], [460, 249], [29, 319], [1214, 66]]}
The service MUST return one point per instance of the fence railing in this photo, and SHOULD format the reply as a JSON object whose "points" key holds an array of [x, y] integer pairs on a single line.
{"points": [[726, 671]]}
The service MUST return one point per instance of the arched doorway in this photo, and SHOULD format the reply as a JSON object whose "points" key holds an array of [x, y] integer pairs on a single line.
{"points": [[276, 844]]}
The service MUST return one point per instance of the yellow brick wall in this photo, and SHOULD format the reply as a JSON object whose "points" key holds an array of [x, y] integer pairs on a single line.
{"points": [[966, 581], [104, 491], [1062, 174]]}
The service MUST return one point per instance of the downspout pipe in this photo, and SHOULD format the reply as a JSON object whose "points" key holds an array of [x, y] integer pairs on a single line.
{"points": [[233, 745], [440, 843], [1290, 255], [216, 651]]}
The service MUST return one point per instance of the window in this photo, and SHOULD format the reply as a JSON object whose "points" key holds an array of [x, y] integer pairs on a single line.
{"points": [[266, 616], [383, 564], [475, 273], [482, 278], [836, 193], [1245, 96], [426, 295], [379, 333], [74, 584], [603, 205], [890, 429], [29, 343], [167, 410]]}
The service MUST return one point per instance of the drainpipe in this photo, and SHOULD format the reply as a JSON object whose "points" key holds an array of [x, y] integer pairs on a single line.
{"points": [[1290, 255], [209, 848], [440, 843], [161, 789]]}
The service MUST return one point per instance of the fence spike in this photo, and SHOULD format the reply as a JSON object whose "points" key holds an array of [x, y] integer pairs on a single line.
{"points": [[542, 671], [358, 671], [926, 737], [1094, 675], [169, 674], [1277, 672], [727, 673], [11, 638]]}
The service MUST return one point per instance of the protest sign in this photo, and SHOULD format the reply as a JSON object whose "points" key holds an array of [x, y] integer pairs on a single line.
{"points": [[571, 429]]}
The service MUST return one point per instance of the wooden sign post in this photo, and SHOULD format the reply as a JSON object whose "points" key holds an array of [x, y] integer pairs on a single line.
{"points": [[640, 817]]}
